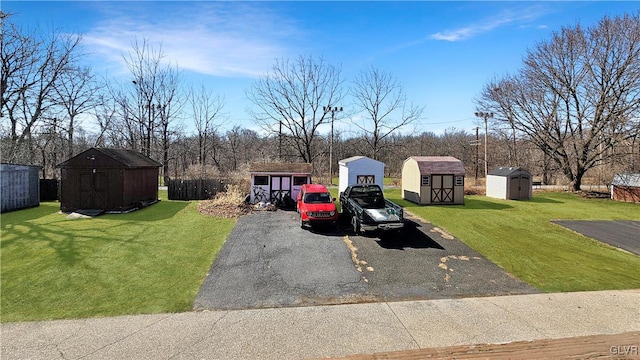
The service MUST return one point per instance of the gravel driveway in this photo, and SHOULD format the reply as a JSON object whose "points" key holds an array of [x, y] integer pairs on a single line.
{"points": [[268, 261]]}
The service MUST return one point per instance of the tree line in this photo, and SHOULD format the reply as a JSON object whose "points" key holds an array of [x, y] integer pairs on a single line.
{"points": [[571, 109]]}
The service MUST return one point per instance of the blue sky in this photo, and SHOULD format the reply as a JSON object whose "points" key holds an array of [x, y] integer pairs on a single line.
{"points": [[441, 52]]}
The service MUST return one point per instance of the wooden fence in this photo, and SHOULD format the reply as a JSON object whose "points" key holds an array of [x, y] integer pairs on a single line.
{"points": [[49, 189], [193, 189]]}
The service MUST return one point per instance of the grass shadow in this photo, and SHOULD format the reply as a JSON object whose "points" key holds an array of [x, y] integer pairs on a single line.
{"points": [[159, 211], [477, 204], [544, 200], [72, 240]]}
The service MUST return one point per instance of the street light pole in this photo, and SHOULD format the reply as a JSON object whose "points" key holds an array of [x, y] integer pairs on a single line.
{"points": [[333, 111], [486, 116]]}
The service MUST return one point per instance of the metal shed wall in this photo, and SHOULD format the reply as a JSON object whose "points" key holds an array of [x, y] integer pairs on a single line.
{"points": [[351, 168], [512, 183], [20, 186]]}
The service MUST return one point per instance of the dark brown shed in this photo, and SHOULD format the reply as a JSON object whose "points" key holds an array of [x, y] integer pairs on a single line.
{"points": [[109, 180]]}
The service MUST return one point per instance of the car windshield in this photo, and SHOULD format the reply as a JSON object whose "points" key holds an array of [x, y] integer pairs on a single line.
{"points": [[317, 198]]}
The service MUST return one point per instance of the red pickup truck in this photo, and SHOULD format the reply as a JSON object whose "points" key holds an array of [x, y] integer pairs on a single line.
{"points": [[316, 206]]}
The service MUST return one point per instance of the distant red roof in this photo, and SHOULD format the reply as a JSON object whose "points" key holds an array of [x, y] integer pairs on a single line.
{"points": [[294, 168], [438, 165]]}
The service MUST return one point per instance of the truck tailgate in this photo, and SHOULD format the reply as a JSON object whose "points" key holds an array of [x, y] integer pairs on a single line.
{"points": [[382, 215]]}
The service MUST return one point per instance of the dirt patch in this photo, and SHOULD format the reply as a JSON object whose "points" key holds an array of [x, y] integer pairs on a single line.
{"points": [[594, 194]]}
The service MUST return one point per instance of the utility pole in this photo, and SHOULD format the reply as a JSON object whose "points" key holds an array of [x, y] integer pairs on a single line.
{"points": [[280, 140], [486, 116], [476, 144], [333, 111]]}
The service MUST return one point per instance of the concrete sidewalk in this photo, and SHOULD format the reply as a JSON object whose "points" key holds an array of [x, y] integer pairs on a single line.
{"points": [[326, 331]]}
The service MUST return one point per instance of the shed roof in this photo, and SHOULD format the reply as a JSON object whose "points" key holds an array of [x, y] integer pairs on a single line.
{"points": [[632, 180], [10, 166], [356, 158], [506, 171], [125, 157], [438, 165], [297, 168]]}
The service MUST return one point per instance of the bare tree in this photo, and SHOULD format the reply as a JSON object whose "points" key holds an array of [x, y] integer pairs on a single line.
{"points": [[289, 101], [578, 95], [32, 65], [381, 97], [77, 94], [207, 116], [242, 146], [154, 90], [168, 106], [148, 106]]}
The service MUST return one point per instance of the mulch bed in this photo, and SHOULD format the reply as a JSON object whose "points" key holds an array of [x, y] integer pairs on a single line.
{"points": [[223, 210]]}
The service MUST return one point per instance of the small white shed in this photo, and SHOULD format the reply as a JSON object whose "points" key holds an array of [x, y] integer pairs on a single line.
{"points": [[360, 170], [278, 182], [509, 183]]}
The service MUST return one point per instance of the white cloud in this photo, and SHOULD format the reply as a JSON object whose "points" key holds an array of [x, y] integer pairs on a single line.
{"points": [[456, 35], [506, 17], [221, 39]]}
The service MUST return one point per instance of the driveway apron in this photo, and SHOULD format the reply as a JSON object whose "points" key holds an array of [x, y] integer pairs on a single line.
{"points": [[429, 263], [623, 234], [269, 261]]}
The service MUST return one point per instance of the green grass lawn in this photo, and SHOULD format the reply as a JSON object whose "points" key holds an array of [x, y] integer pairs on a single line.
{"points": [[154, 260], [148, 261], [519, 237]]}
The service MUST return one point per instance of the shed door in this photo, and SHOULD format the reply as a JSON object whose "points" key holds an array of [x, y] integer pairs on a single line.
{"points": [[280, 188], [519, 187], [441, 188], [93, 189]]}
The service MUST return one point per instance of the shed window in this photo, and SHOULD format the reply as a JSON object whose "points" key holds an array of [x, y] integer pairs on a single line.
{"points": [[299, 180], [426, 180], [366, 179], [261, 180], [459, 180]]}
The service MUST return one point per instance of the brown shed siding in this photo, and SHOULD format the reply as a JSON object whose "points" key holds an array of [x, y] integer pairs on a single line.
{"points": [[625, 193], [626, 187], [108, 179]]}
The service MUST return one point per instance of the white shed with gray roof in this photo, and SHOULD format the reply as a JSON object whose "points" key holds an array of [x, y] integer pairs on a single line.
{"points": [[360, 170], [510, 183]]}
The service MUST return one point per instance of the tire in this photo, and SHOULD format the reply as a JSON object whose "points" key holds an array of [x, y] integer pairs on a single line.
{"points": [[301, 222]]}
